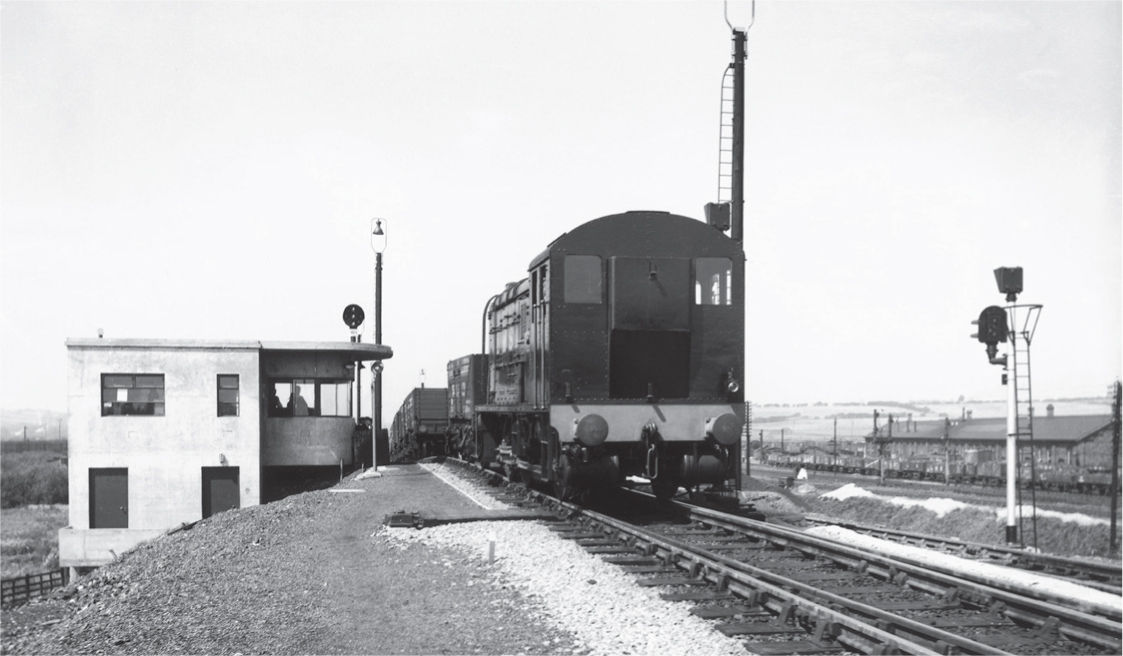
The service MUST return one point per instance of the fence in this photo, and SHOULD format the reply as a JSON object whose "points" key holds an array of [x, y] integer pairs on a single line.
{"points": [[22, 589]]}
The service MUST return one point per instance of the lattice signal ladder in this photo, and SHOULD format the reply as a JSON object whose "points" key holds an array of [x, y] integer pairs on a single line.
{"points": [[725, 140], [1023, 391], [1023, 402]]}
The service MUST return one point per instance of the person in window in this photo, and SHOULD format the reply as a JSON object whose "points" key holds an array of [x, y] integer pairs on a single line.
{"points": [[297, 405], [275, 407]]}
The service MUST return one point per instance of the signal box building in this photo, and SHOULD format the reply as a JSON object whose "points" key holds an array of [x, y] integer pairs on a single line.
{"points": [[167, 432]]}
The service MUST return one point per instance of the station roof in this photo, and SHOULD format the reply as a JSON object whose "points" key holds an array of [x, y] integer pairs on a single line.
{"points": [[1068, 429], [354, 350]]}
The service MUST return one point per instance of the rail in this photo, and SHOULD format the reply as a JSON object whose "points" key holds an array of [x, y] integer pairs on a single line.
{"points": [[1034, 618]]}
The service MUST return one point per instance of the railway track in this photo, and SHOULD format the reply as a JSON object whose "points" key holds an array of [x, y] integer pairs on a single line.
{"points": [[1094, 574], [786, 591]]}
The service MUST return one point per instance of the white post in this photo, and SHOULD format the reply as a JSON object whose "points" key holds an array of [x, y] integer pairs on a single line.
{"points": [[1011, 435], [1011, 458]]}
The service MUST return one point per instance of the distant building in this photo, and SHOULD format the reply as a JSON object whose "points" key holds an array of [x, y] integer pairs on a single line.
{"points": [[166, 432], [1059, 442]]}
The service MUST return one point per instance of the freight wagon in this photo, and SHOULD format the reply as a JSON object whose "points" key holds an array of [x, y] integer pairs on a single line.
{"points": [[420, 425], [467, 390]]}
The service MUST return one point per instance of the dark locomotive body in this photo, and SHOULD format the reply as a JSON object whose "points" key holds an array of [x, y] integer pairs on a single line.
{"points": [[620, 354]]}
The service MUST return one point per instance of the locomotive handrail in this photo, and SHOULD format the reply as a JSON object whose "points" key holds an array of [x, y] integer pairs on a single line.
{"points": [[483, 325]]}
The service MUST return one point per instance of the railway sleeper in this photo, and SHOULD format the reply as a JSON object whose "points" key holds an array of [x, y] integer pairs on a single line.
{"points": [[758, 628], [787, 612], [670, 579], [697, 595], [1050, 629], [631, 561], [794, 647], [649, 569], [825, 628], [1075, 632], [608, 549], [597, 541], [738, 610]]}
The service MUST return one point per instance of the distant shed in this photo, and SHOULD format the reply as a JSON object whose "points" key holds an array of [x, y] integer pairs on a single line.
{"points": [[1076, 440]]}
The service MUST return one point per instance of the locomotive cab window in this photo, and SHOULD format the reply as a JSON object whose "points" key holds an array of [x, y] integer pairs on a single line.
{"points": [[539, 290], [583, 279], [713, 281]]}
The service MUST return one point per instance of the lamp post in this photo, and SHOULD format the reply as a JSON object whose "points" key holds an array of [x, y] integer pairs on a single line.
{"points": [[378, 244]]}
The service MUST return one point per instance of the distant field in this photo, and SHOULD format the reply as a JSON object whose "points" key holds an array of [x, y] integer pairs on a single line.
{"points": [[32, 477], [8, 447], [815, 422], [29, 539]]}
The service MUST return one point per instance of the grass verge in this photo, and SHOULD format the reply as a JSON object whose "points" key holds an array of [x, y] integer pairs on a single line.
{"points": [[971, 524], [29, 539]]}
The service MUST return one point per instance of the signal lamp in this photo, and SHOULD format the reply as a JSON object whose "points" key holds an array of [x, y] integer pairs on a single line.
{"points": [[1009, 281], [992, 325], [717, 215]]}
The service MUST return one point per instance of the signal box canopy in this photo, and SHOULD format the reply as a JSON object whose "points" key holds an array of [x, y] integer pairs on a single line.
{"points": [[355, 351]]}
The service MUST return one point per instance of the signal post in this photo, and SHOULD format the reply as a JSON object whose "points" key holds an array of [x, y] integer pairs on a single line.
{"points": [[998, 325]]}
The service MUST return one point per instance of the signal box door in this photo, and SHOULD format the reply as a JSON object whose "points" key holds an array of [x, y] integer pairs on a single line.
{"points": [[109, 498], [220, 490]]}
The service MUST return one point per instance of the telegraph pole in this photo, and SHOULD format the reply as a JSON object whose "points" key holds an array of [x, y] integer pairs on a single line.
{"points": [[834, 460], [947, 451], [1115, 438], [748, 437]]}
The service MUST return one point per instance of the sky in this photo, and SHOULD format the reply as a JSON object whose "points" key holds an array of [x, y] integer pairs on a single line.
{"points": [[210, 171]]}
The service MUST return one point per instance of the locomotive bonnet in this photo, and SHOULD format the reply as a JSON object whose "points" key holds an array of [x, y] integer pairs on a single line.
{"points": [[621, 353]]}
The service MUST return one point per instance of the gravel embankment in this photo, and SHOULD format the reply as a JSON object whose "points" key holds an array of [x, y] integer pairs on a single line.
{"points": [[299, 576], [318, 573]]}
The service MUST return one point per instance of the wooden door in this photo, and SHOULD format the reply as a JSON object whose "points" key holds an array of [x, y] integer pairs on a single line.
{"points": [[220, 490], [109, 498]]}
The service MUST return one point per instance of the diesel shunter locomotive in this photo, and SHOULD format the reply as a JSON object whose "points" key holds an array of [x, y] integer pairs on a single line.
{"points": [[620, 354]]}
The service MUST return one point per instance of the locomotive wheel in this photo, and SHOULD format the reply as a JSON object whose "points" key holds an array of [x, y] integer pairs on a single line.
{"points": [[664, 487], [485, 447], [563, 489]]}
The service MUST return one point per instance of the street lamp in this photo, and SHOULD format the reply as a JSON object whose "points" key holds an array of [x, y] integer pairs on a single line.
{"points": [[378, 245]]}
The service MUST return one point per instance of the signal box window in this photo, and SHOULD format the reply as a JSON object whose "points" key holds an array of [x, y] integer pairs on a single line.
{"points": [[334, 398], [583, 279], [228, 395], [308, 397], [713, 281], [132, 394]]}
